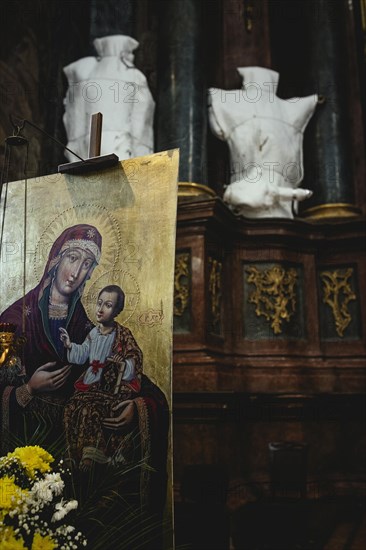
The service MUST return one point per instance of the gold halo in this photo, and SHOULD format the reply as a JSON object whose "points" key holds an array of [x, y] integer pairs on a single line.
{"points": [[123, 279], [92, 214]]}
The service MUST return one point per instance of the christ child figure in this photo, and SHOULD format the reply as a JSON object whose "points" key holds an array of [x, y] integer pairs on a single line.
{"points": [[111, 381]]}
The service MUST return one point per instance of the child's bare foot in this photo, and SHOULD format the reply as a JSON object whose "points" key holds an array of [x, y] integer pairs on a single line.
{"points": [[85, 464]]}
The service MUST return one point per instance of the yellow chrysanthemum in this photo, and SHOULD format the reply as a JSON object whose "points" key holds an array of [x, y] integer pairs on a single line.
{"points": [[43, 543], [33, 458], [9, 541], [9, 494]]}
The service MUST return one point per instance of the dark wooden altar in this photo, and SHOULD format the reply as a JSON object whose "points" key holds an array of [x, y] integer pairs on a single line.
{"points": [[269, 345]]}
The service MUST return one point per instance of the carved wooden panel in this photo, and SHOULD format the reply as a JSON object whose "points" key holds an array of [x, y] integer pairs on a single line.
{"points": [[182, 292], [339, 302], [273, 301]]}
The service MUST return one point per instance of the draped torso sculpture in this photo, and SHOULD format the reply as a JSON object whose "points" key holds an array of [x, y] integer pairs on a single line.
{"points": [[112, 85], [265, 137]]}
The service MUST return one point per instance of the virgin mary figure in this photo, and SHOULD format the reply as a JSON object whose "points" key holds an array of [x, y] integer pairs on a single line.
{"points": [[55, 302]]}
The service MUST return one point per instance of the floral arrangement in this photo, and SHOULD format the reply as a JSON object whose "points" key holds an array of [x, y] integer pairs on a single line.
{"points": [[32, 507]]}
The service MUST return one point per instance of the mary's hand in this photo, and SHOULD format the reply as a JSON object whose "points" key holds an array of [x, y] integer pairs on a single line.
{"points": [[43, 379], [124, 419]]}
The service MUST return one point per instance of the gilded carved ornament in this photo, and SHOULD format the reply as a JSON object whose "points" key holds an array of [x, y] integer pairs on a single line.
{"points": [[274, 296], [337, 293], [181, 283]]}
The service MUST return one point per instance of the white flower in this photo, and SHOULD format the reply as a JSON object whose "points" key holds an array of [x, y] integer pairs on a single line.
{"points": [[55, 482], [58, 515], [44, 490], [64, 530], [63, 508]]}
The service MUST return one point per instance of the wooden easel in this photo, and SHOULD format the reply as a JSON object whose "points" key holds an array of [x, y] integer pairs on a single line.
{"points": [[95, 161]]}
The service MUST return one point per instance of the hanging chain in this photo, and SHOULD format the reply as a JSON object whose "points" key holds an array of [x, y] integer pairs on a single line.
{"points": [[24, 312], [4, 182]]}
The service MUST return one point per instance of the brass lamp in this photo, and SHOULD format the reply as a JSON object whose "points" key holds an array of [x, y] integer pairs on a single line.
{"points": [[7, 344]]}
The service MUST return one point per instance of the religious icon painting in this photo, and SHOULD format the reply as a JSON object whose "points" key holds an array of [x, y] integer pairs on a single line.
{"points": [[86, 305]]}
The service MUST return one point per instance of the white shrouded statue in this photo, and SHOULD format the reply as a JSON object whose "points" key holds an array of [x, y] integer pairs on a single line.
{"points": [[110, 84], [265, 138]]}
